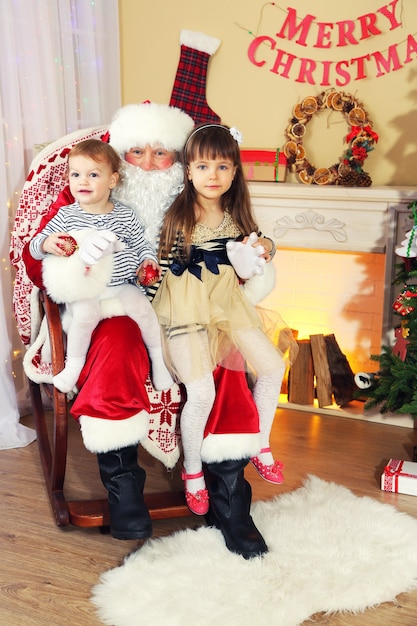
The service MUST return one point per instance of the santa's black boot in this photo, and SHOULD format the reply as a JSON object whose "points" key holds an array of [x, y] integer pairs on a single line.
{"points": [[230, 499], [124, 481]]}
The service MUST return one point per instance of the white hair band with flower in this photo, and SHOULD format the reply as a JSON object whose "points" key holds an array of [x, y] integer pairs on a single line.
{"points": [[236, 134]]}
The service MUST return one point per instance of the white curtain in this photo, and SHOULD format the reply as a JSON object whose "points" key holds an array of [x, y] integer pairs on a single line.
{"points": [[60, 71]]}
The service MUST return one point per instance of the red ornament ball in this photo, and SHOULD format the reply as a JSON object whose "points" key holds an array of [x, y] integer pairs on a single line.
{"points": [[68, 245], [148, 276]]}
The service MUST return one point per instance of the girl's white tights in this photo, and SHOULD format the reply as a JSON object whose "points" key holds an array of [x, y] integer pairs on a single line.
{"points": [[86, 314], [269, 367], [196, 410], [194, 416]]}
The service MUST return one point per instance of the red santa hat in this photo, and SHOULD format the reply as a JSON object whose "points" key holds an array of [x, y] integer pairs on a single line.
{"points": [[136, 125]]}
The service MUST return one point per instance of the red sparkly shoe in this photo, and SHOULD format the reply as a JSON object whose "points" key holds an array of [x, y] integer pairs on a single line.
{"points": [[270, 473], [198, 502]]}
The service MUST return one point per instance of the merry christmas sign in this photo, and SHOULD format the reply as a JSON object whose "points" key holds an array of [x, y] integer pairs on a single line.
{"points": [[267, 50]]}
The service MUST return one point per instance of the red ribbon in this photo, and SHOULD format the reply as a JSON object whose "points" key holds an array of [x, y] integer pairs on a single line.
{"points": [[395, 471], [261, 156], [368, 130], [357, 130]]}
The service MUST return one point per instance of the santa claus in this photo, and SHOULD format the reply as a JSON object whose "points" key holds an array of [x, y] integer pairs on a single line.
{"points": [[112, 404]]}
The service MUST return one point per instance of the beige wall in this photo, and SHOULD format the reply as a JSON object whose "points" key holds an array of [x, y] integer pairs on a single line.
{"points": [[258, 101]]}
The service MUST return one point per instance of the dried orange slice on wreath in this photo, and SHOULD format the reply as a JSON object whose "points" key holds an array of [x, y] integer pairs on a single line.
{"points": [[309, 105], [305, 177], [357, 116], [322, 176], [294, 150], [298, 112], [337, 102], [290, 149], [301, 152], [329, 98]]}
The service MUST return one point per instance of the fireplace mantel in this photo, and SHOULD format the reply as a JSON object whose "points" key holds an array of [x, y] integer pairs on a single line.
{"points": [[343, 219], [350, 219]]}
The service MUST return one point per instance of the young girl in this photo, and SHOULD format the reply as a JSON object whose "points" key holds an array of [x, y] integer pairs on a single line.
{"points": [[93, 171], [200, 305]]}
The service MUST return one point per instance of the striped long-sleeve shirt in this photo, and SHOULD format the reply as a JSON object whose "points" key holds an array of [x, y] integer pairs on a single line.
{"points": [[122, 221]]}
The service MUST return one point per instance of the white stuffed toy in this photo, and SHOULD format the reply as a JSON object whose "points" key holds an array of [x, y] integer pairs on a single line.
{"points": [[246, 258]]}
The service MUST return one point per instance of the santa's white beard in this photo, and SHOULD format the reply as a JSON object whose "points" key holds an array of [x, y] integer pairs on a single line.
{"points": [[151, 193]]}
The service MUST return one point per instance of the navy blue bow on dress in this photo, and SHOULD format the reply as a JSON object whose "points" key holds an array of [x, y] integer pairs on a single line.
{"points": [[213, 253]]}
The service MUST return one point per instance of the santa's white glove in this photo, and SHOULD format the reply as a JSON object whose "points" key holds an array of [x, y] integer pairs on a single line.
{"points": [[245, 258], [97, 245]]}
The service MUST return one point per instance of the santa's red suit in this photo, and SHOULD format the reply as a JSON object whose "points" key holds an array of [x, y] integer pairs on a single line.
{"points": [[112, 405]]}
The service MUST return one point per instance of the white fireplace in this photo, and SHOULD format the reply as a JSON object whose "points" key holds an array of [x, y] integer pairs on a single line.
{"points": [[335, 261]]}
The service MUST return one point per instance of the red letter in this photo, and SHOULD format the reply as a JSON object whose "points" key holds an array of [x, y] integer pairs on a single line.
{"points": [[322, 34], [411, 48], [341, 72], [392, 56], [291, 22], [390, 14], [346, 28], [326, 71], [361, 66], [305, 75], [368, 27], [287, 65], [254, 47]]}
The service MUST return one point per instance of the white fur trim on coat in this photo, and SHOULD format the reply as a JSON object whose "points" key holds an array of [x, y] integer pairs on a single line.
{"points": [[102, 435], [35, 317], [66, 278], [259, 286], [217, 448], [38, 372]]}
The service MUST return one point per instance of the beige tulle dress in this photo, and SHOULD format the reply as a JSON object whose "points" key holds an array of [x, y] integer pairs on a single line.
{"points": [[200, 304]]}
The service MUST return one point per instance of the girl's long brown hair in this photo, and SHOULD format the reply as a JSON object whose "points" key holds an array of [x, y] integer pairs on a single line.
{"points": [[208, 141]]}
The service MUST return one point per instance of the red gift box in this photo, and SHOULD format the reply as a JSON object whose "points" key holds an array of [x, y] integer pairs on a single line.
{"points": [[264, 165], [400, 477], [400, 305]]}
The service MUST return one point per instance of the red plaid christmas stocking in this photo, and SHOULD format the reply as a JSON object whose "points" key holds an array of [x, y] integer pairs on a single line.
{"points": [[189, 90]]}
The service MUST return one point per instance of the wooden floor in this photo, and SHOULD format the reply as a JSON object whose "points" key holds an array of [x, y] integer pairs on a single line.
{"points": [[46, 573]]}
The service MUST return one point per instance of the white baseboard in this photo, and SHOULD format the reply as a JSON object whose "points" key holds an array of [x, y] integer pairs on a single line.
{"points": [[353, 410]]}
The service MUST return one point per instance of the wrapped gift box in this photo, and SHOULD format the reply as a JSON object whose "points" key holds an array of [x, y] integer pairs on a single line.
{"points": [[264, 165], [400, 477]]}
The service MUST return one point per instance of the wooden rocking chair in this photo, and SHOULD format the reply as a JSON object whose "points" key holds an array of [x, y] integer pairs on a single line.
{"points": [[42, 186]]}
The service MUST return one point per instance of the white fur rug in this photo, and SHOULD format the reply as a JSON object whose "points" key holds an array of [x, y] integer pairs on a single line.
{"points": [[329, 551]]}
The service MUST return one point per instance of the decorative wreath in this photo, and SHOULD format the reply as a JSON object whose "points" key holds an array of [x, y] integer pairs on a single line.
{"points": [[360, 139]]}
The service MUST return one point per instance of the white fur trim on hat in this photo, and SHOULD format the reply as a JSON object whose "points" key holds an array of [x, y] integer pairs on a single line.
{"points": [[137, 125]]}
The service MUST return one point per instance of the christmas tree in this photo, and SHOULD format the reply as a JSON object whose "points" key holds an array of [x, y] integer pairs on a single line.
{"points": [[394, 387]]}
